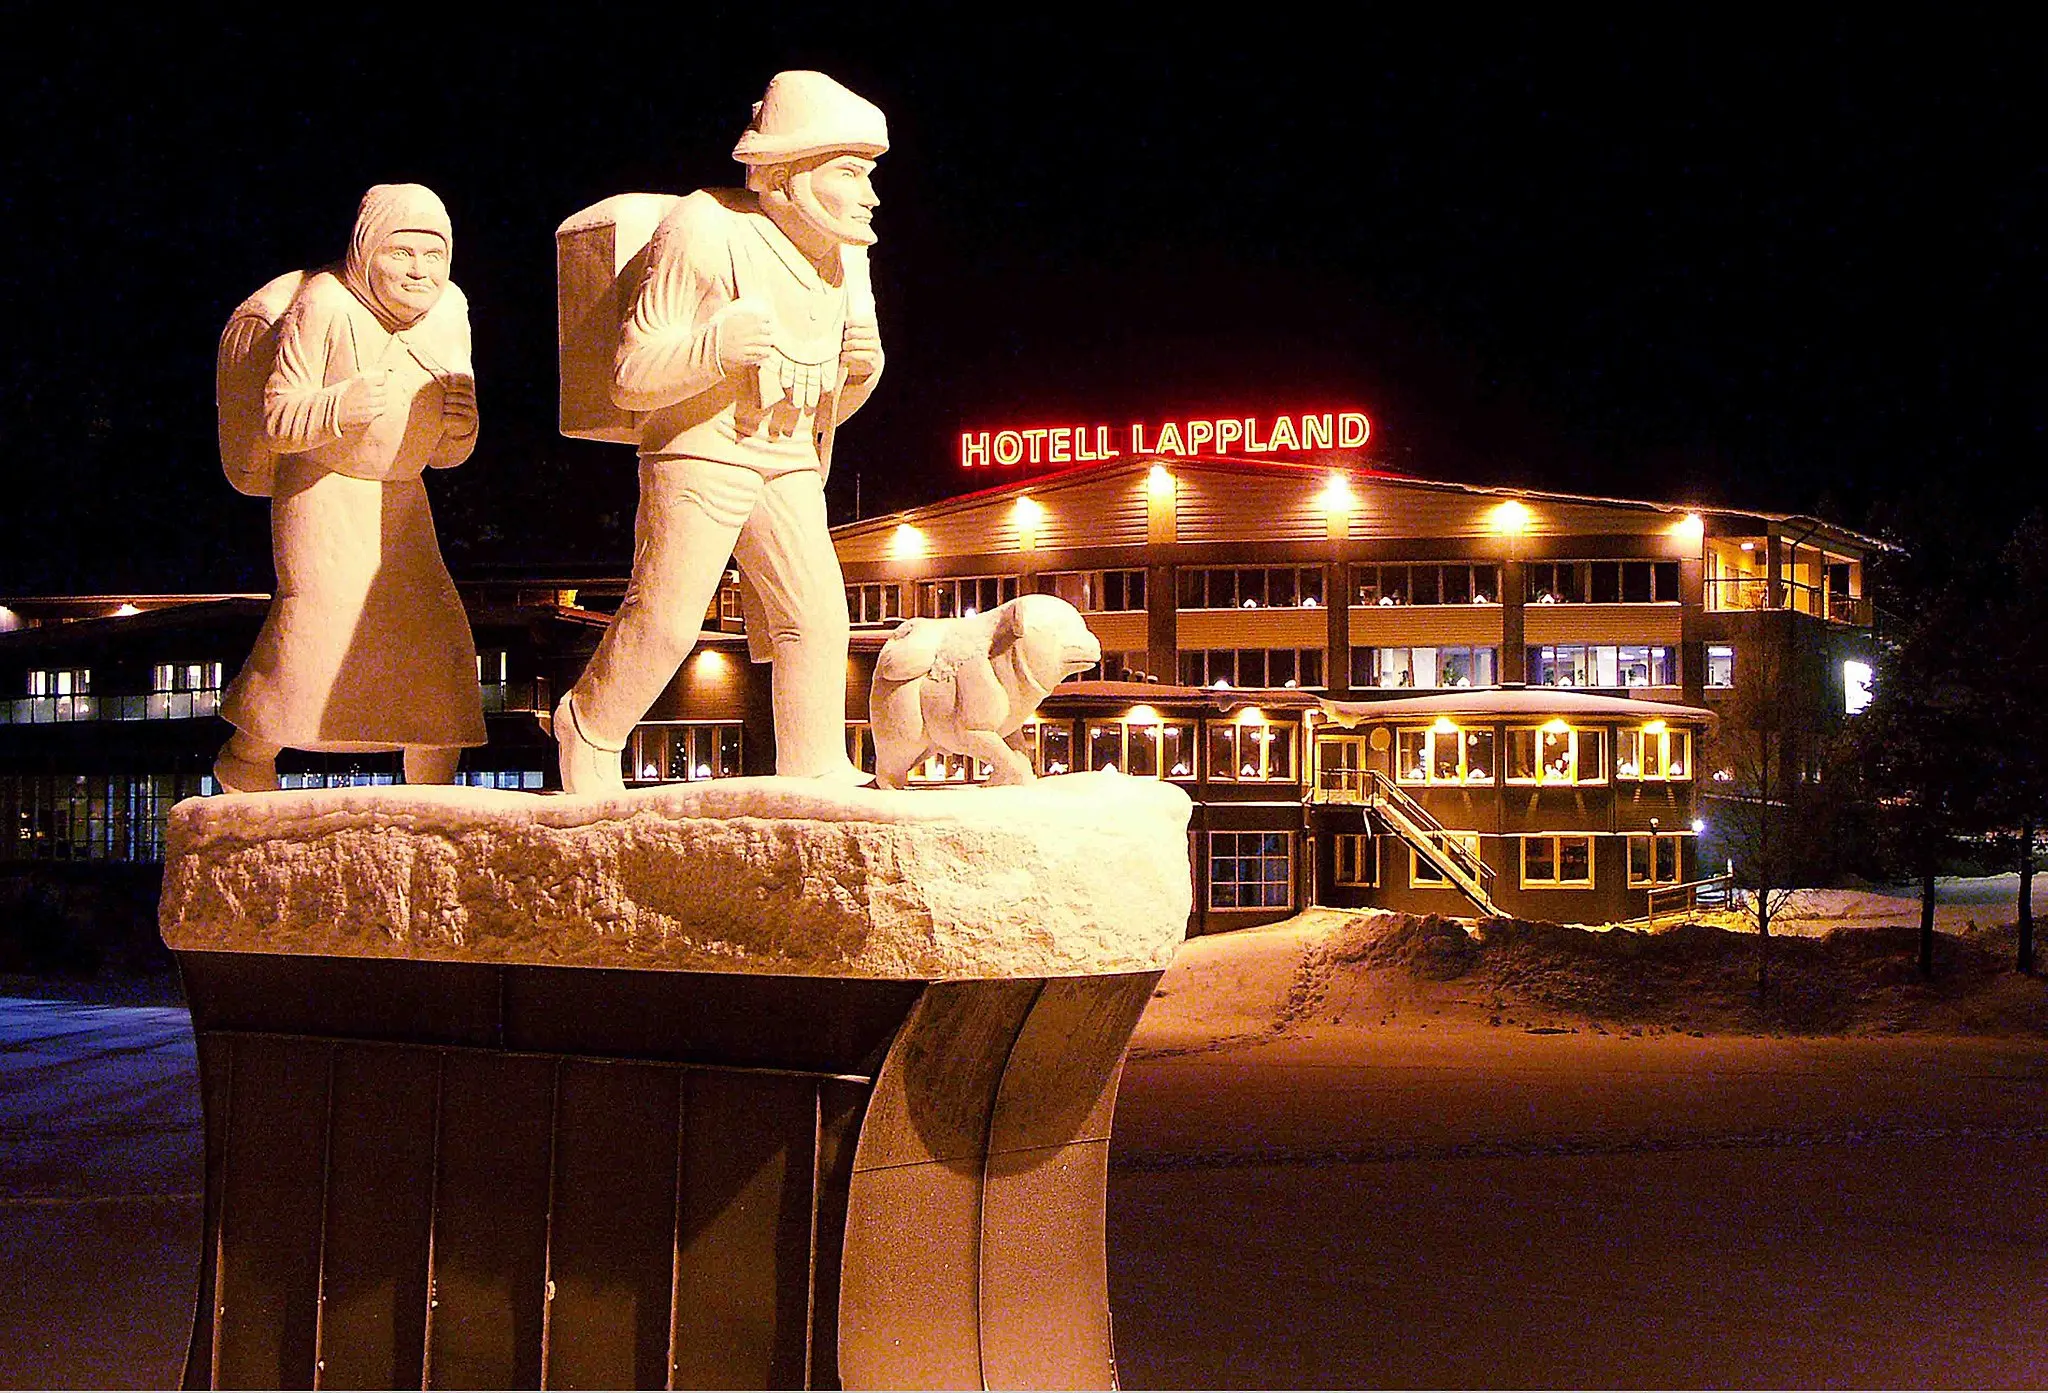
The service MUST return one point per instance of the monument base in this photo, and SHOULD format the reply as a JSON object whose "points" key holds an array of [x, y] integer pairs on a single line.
{"points": [[427, 1169]]}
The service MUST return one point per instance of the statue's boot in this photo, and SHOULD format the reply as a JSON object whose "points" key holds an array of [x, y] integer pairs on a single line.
{"points": [[431, 764], [588, 768], [246, 764]]}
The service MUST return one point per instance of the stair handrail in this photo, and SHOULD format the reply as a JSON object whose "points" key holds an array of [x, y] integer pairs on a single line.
{"points": [[1393, 793]]}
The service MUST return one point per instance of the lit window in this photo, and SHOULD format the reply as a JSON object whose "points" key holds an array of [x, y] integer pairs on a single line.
{"points": [[1050, 746], [682, 751], [1856, 686], [1425, 583], [1251, 752], [1653, 752], [1249, 587], [1655, 859], [1444, 754], [1457, 666], [1096, 592], [1557, 861], [874, 604], [59, 682], [961, 595], [1556, 753], [1252, 667], [1720, 665], [1603, 665], [1251, 870], [1147, 749]]}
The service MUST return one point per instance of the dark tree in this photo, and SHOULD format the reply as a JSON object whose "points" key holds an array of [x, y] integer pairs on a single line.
{"points": [[2017, 647], [1773, 802], [1922, 743]]}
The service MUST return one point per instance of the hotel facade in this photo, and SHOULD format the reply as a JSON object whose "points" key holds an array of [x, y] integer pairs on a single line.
{"points": [[1378, 690]]}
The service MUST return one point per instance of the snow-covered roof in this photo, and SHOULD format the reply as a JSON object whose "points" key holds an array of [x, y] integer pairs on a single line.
{"points": [[1509, 703]]}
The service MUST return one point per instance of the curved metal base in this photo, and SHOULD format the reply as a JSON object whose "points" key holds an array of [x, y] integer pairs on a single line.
{"points": [[459, 1175]]}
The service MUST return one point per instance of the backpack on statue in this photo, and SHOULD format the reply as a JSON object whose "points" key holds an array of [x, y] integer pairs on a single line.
{"points": [[600, 258], [248, 352]]}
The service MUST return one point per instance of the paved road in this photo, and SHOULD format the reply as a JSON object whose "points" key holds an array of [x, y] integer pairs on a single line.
{"points": [[1491, 1209], [1414, 1208]]}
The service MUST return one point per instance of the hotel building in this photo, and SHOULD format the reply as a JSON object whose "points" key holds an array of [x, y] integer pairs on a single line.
{"points": [[1377, 689]]}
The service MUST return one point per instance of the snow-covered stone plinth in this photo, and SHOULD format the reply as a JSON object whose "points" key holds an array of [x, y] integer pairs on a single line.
{"points": [[1082, 873]]}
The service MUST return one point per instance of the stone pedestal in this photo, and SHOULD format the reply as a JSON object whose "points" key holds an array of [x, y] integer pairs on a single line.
{"points": [[458, 1138]]}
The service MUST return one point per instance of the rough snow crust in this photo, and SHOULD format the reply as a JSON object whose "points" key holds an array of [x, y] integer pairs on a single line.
{"points": [[1082, 873]]}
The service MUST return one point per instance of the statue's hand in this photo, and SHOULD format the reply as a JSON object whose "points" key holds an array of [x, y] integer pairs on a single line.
{"points": [[746, 335], [458, 407], [860, 348], [364, 399]]}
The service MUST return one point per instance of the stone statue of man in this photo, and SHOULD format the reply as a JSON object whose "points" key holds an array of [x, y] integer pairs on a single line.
{"points": [[751, 337]]}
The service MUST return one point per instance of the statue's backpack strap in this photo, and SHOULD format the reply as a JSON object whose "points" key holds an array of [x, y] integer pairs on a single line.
{"points": [[600, 260], [248, 352]]}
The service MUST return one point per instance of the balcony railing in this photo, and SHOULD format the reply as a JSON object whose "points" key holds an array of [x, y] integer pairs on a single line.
{"points": [[1341, 785], [1754, 593], [154, 706], [532, 695]]}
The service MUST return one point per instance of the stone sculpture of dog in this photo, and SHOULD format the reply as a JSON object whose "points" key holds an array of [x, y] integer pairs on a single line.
{"points": [[966, 686]]}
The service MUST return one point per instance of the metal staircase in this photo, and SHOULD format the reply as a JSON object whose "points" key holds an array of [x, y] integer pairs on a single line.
{"points": [[1414, 825]]}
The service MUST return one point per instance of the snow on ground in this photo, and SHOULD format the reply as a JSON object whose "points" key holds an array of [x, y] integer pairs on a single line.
{"points": [[1851, 969]]}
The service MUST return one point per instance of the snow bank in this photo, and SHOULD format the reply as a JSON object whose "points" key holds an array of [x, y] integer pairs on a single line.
{"points": [[1083, 873]]}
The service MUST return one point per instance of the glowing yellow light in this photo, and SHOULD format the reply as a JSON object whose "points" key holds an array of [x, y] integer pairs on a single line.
{"points": [[907, 544], [1142, 716], [712, 663], [1160, 483], [1690, 529], [1656, 727], [1749, 546], [1029, 512], [1511, 517], [125, 610], [1336, 496], [1556, 725], [1251, 716], [1444, 725]]}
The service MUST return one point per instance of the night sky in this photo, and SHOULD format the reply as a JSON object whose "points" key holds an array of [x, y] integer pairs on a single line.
{"points": [[1793, 266]]}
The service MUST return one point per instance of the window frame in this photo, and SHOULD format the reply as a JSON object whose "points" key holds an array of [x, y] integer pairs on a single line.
{"points": [[1202, 583], [1355, 860], [1556, 841], [1392, 584], [1541, 778], [1424, 876], [1655, 840], [1005, 589], [633, 760], [1095, 587], [1262, 856], [1233, 774], [1158, 729], [1430, 738], [1663, 741]]}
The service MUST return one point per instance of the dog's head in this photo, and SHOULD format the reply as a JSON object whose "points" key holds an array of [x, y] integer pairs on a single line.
{"points": [[1047, 638]]}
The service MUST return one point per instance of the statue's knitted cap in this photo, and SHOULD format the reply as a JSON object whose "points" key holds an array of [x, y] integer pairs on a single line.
{"points": [[807, 113]]}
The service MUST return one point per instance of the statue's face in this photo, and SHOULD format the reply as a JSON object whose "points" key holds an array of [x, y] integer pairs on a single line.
{"points": [[409, 271], [837, 197]]}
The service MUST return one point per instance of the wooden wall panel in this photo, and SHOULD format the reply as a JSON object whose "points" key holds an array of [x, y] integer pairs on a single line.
{"points": [[1220, 506], [1397, 626], [1601, 623], [1119, 633], [1254, 628]]}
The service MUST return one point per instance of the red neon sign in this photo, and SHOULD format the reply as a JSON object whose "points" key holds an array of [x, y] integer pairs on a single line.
{"points": [[1215, 435]]}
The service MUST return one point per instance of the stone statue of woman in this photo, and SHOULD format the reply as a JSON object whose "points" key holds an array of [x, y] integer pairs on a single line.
{"points": [[366, 646]]}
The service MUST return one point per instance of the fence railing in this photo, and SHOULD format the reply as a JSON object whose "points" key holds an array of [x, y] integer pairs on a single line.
{"points": [[1690, 897], [1754, 592]]}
